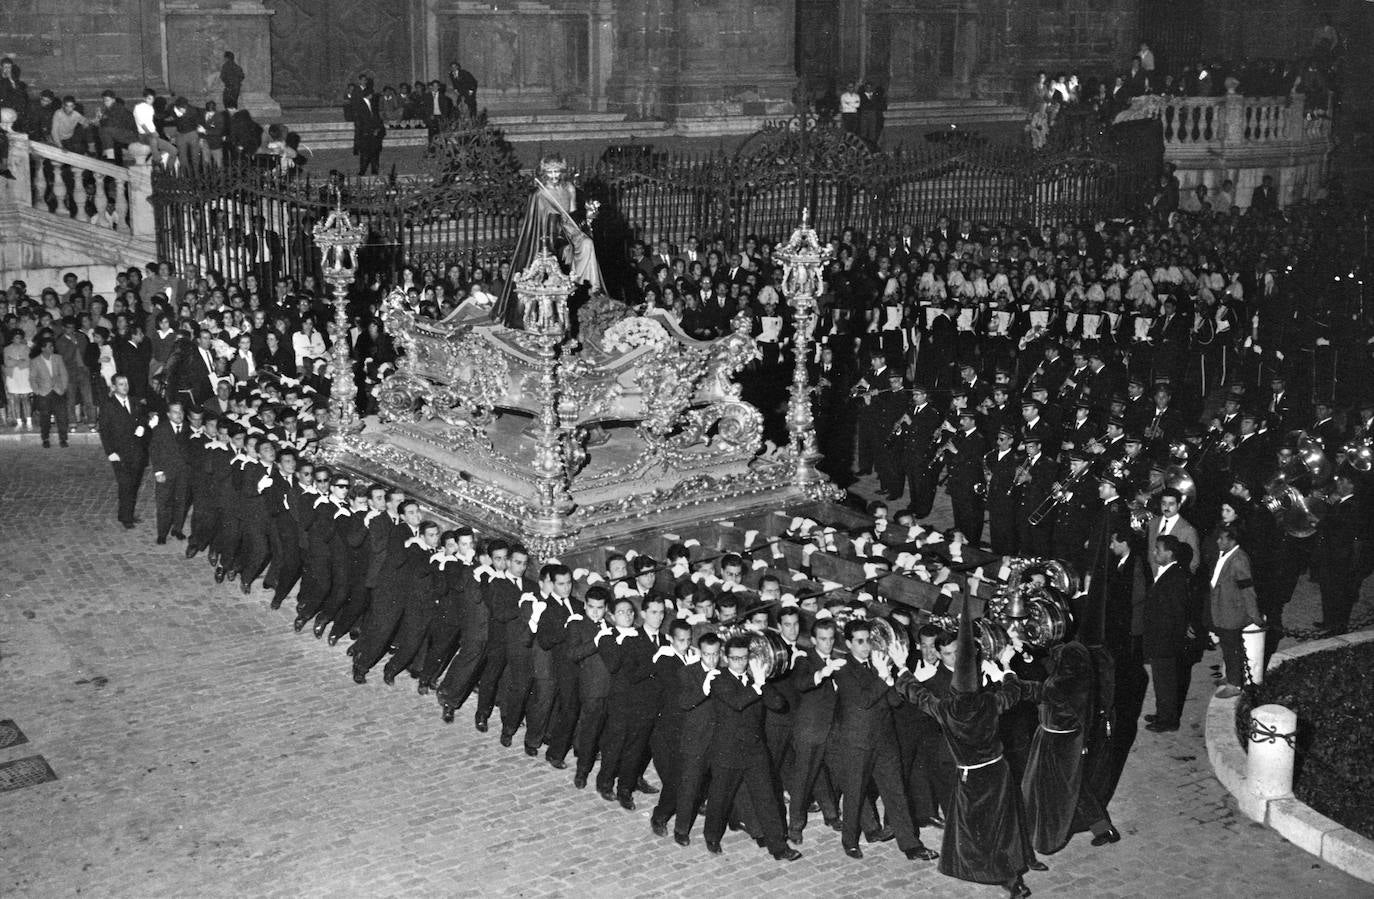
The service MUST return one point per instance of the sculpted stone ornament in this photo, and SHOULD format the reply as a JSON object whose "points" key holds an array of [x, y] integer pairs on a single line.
{"points": [[489, 425]]}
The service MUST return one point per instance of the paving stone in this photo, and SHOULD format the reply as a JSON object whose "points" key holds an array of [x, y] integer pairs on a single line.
{"points": [[205, 749]]}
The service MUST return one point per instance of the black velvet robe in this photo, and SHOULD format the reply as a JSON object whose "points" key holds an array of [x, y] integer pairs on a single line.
{"points": [[984, 840]]}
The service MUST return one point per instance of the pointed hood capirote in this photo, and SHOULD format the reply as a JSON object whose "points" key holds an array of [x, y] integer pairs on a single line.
{"points": [[967, 677]]}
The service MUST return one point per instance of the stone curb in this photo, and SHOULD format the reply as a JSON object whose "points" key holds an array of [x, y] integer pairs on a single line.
{"points": [[1296, 822]]}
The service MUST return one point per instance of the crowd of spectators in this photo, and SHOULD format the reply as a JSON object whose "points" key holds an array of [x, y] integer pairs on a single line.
{"points": [[178, 134], [1317, 75]]}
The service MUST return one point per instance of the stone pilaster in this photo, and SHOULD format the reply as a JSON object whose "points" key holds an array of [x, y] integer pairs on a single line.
{"points": [[197, 34]]}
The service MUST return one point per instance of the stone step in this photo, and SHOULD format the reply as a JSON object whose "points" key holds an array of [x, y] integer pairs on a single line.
{"points": [[522, 129]]}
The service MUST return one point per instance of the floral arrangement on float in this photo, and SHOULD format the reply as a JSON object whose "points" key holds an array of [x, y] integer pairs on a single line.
{"points": [[631, 333]]}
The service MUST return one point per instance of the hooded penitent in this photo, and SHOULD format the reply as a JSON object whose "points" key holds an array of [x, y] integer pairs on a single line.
{"points": [[967, 677]]}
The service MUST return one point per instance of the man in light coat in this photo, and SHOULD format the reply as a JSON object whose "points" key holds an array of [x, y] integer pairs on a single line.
{"points": [[1170, 522], [1231, 606], [49, 379]]}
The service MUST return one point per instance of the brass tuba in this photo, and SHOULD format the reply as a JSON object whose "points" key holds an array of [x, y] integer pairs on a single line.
{"points": [[884, 634], [1033, 604], [767, 645], [1359, 454], [1296, 513]]}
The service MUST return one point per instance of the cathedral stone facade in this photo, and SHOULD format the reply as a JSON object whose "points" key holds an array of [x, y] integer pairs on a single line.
{"points": [[651, 58]]}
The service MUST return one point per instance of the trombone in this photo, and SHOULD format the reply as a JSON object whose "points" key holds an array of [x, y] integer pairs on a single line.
{"points": [[1060, 492]]}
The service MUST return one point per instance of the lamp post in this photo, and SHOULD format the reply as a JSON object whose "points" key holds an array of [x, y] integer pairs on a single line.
{"points": [[543, 292], [339, 239], [803, 259]]}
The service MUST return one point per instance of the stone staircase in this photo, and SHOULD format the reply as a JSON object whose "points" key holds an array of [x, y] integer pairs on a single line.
{"points": [[324, 129], [535, 127], [49, 213]]}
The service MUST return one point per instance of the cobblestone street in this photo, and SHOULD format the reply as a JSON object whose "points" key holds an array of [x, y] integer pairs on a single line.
{"points": [[203, 748]]}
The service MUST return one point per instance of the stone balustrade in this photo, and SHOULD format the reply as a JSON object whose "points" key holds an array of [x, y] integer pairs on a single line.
{"points": [[69, 185], [66, 212], [1213, 139]]}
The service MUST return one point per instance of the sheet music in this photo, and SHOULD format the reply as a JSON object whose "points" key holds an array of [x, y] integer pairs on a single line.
{"points": [[1040, 318], [1142, 327], [1092, 323], [965, 320], [1001, 322]]}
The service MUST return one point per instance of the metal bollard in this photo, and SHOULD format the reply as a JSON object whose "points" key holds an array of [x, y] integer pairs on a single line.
{"points": [[1269, 761], [1253, 639]]}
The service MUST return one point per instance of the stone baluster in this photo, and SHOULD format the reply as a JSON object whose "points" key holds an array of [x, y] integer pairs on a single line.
{"points": [[142, 222], [1233, 120], [39, 198], [59, 190], [20, 190], [121, 201], [79, 196]]}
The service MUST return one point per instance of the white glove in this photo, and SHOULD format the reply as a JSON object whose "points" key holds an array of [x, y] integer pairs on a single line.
{"points": [[264, 482], [152, 421], [342, 513], [993, 673], [759, 669], [663, 651], [620, 638], [138, 431], [575, 616], [924, 671], [693, 655], [710, 676], [159, 477], [830, 668], [114, 457]]}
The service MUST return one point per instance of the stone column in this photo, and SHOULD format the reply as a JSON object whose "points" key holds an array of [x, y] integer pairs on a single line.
{"points": [[600, 53], [198, 33]]}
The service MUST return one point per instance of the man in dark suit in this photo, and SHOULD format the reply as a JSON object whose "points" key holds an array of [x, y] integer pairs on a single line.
{"points": [[368, 129], [251, 483], [552, 712], [122, 429], [418, 585], [465, 87], [1003, 493], [1166, 636], [407, 554], [438, 109], [965, 466], [1336, 556], [171, 474], [812, 722], [864, 746], [593, 680], [474, 624], [455, 560], [665, 741], [629, 655], [1264, 199], [914, 461], [1035, 480], [697, 731], [738, 756], [286, 505]]}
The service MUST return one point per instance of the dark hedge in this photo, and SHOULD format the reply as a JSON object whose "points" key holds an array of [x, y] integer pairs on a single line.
{"points": [[1333, 695]]}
